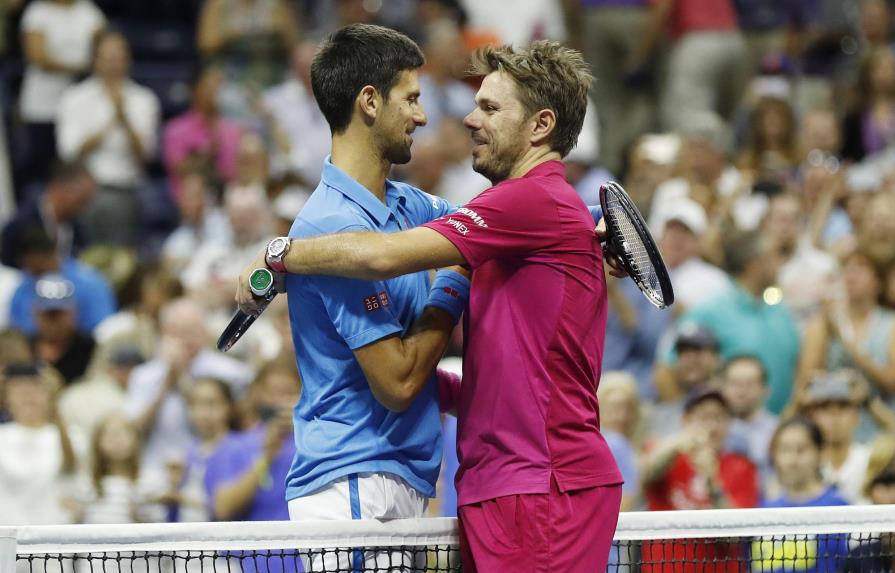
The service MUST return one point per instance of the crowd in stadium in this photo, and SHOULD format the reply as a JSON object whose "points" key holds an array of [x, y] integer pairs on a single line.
{"points": [[149, 150]]}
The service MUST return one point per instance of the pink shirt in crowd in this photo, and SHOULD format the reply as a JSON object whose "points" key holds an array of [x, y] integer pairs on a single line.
{"points": [[189, 133], [527, 407], [701, 16]]}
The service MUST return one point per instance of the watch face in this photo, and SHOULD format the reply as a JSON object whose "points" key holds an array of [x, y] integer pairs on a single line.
{"points": [[277, 247]]}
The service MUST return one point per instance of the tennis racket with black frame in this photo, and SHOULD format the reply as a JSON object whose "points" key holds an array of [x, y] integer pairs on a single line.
{"points": [[629, 241]]}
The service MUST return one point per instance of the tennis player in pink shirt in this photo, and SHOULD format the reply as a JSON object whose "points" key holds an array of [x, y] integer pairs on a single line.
{"points": [[538, 489]]}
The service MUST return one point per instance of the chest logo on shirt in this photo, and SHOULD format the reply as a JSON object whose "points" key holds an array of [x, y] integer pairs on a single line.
{"points": [[376, 301], [461, 228], [476, 218]]}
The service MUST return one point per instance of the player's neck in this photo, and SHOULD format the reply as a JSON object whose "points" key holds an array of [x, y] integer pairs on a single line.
{"points": [[532, 158], [356, 155]]}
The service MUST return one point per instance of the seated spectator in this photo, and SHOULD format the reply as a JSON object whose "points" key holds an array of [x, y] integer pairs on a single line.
{"points": [[880, 476], [250, 40], [38, 458], [680, 235], [868, 128], [57, 340], [619, 423], [56, 210], [201, 139], [296, 124], [94, 300], [697, 364], [829, 403], [796, 453], [745, 386], [115, 490], [443, 94], [771, 150], [856, 333], [201, 220], [57, 38], [744, 323], [246, 478], [104, 389], [693, 470], [157, 390], [110, 122], [806, 272]]}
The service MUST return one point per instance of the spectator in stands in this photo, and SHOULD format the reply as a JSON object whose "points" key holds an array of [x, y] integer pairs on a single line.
{"points": [[745, 323], [767, 27], [114, 490], [877, 551], [819, 130], [249, 39], [213, 418], [443, 94], [796, 452], [856, 332], [745, 386], [708, 65], [38, 458], [9, 282], [829, 402], [37, 257], [876, 23], [57, 340], [246, 478], [201, 139], [201, 220], [137, 325], [157, 390], [57, 37], [215, 264], [295, 122], [680, 234], [522, 23], [104, 389], [608, 31], [620, 419], [806, 272], [110, 122], [771, 151], [693, 470], [869, 127], [876, 229], [69, 191], [697, 364]]}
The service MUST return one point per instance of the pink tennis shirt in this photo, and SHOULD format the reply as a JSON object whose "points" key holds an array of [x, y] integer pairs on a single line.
{"points": [[527, 406]]}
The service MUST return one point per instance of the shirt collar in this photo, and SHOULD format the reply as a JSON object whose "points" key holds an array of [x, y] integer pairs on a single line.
{"points": [[344, 184]]}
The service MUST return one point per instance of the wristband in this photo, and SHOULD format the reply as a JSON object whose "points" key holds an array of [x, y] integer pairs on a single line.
{"points": [[449, 292]]}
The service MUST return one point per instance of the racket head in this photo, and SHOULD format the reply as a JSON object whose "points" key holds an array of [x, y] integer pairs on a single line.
{"points": [[629, 239]]}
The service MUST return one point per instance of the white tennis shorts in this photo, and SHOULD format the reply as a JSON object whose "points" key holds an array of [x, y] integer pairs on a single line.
{"points": [[362, 496]]}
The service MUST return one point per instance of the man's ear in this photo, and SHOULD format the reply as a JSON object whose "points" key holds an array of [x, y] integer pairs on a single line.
{"points": [[542, 126], [369, 103]]}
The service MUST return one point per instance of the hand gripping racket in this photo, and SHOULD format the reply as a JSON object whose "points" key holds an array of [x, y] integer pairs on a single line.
{"points": [[629, 240], [261, 282]]}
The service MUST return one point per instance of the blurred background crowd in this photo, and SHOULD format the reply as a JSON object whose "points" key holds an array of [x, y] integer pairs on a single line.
{"points": [[148, 150]]}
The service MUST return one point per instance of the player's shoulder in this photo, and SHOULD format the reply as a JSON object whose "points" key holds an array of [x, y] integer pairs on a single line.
{"points": [[328, 211]]}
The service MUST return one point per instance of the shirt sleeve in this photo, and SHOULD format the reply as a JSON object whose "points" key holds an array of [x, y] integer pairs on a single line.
{"points": [[510, 220], [361, 311]]}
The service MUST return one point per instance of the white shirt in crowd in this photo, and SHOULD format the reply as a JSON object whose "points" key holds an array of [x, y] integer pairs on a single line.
{"points": [[9, 282], [807, 278], [122, 501], [169, 437], [32, 485], [520, 24], [697, 281], [87, 109], [68, 31], [850, 476]]}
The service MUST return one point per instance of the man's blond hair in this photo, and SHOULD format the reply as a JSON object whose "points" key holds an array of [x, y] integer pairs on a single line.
{"points": [[548, 75]]}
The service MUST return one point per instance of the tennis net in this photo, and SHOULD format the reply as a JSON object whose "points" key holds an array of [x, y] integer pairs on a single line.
{"points": [[857, 539]]}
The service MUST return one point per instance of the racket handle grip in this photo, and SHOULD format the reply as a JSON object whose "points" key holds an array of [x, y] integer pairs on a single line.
{"points": [[240, 323]]}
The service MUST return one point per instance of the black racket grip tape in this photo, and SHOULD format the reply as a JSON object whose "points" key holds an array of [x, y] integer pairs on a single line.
{"points": [[238, 326]]}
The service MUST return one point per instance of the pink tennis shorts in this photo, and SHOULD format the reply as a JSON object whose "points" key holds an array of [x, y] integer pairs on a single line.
{"points": [[569, 532]]}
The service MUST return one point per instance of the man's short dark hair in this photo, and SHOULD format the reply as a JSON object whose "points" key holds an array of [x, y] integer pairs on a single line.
{"points": [[356, 56], [34, 240], [749, 358]]}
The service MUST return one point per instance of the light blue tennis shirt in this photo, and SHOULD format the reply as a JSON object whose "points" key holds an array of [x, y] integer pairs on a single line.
{"points": [[340, 428]]}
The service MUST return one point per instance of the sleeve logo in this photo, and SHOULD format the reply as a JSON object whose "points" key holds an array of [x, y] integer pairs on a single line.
{"points": [[376, 301]]}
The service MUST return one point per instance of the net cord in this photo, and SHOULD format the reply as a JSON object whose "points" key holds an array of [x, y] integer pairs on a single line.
{"points": [[54, 539]]}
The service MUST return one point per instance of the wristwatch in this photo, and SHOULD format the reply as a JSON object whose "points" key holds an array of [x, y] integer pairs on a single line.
{"points": [[276, 251]]}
